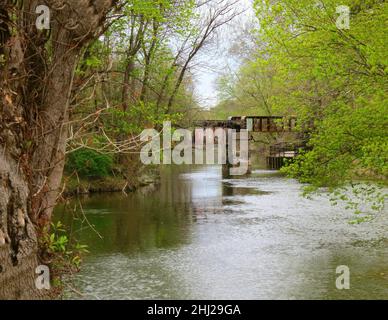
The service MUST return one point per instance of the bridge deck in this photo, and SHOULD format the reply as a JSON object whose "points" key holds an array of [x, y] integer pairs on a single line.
{"points": [[253, 124]]}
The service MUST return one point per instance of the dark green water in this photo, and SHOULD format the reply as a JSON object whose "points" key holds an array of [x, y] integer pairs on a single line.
{"points": [[201, 237]]}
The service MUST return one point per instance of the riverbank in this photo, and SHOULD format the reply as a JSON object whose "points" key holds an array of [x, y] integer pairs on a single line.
{"points": [[73, 185]]}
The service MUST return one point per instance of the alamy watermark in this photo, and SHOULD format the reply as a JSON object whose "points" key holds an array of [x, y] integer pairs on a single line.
{"points": [[43, 20], [42, 282], [343, 280], [201, 146], [343, 21]]}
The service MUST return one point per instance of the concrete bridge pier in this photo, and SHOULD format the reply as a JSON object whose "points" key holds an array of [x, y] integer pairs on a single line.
{"points": [[226, 168]]}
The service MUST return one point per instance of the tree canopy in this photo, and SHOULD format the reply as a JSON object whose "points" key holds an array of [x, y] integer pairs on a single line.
{"points": [[306, 63]]}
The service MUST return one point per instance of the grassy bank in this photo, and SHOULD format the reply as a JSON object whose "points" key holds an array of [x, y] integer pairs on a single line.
{"points": [[75, 185], [88, 171]]}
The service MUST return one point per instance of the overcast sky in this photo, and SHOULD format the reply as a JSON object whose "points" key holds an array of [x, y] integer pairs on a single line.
{"points": [[216, 62]]}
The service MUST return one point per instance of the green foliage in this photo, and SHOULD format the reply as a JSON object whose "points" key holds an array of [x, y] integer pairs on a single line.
{"points": [[62, 254], [57, 243], [335, 81], [119, 122], [132, 72], [89, 163], [364, 199]]}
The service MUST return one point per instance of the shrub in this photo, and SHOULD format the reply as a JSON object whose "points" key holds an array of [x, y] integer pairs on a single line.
{"points": [[89, 163]]}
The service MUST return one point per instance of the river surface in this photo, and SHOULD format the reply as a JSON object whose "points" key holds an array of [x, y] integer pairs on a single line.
{"points": [[199, 236]]}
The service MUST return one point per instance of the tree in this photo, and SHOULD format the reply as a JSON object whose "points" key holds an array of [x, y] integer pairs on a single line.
{"points": [[36, 76], [332, 78], [335, 80]]}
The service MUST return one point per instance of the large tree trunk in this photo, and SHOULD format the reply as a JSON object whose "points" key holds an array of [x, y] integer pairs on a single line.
{"points": [[129, 69], [35, 89], [18, 243]]}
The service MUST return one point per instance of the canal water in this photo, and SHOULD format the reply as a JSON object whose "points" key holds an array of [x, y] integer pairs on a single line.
{"points": [[199, 236]]}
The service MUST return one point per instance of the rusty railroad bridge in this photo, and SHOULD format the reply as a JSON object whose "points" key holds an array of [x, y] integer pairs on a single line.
{"points": [[278, 152], [274, 124]]}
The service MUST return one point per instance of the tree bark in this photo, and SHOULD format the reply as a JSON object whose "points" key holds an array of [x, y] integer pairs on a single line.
{"points": [[18, 239], [35, 90], [130, 68]]}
